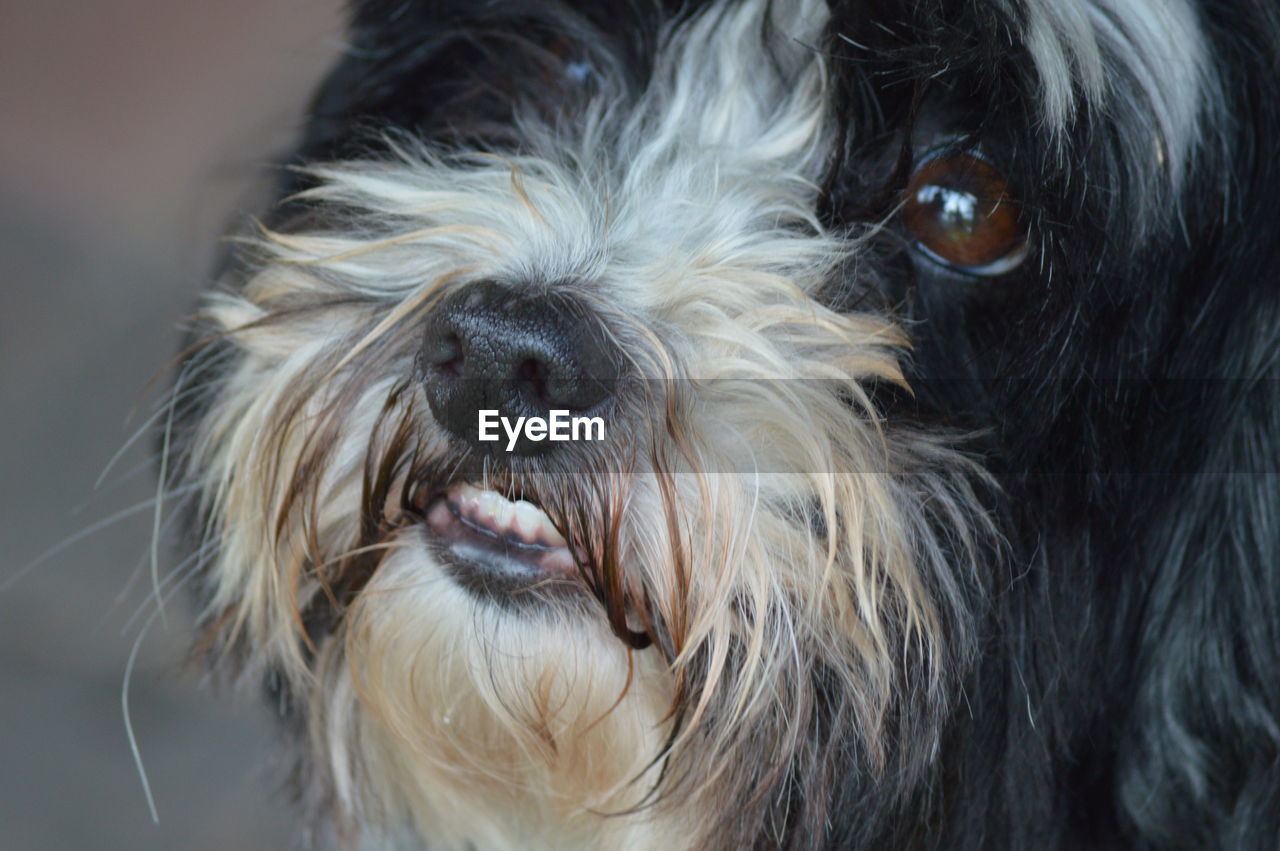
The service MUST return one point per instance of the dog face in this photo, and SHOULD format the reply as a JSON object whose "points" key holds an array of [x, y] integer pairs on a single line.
{"points": [[752, 606]]}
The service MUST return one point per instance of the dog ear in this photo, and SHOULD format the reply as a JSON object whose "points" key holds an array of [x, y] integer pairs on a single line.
{"points": [[1208, 646], [1203, 727]]}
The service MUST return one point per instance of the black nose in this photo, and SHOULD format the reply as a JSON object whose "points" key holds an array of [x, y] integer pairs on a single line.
{"points": [[488, 346]]}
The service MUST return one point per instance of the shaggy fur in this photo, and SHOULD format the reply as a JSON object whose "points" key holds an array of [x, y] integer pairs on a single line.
{"points": [[882, 551]]}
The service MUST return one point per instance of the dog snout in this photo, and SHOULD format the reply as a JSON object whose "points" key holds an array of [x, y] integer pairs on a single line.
{"points": [[521, 353]]}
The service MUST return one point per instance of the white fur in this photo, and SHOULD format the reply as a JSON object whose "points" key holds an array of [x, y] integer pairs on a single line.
{"points": [[1144, 62]]}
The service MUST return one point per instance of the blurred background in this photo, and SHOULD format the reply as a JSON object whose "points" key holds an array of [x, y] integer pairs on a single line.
{"points": [[130, 131]]}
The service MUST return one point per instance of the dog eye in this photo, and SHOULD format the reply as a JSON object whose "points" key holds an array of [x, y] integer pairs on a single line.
{"points": [[960, 212]]}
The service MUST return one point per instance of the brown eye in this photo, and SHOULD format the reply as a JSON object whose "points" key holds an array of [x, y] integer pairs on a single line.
{"points": [[961, 213]]}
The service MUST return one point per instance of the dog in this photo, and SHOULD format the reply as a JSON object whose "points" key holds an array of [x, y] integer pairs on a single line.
{"points": [[926, 492]]}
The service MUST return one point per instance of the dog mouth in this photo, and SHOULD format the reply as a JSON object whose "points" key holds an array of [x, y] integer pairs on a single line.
{"points": [[503, 546], [493, 544]]}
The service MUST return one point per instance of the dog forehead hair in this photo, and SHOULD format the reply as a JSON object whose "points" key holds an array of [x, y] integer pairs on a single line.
{"points": [[713, 167]]}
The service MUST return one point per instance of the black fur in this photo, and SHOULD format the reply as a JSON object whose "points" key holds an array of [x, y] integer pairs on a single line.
{"points": [[1130, 388], [1129, 384]]}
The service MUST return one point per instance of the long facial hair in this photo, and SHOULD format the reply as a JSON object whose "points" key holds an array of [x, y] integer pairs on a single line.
{"points": [[768, 571]]}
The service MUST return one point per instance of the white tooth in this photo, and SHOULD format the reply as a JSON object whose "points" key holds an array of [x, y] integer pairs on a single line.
{"points": [[551, 535], [537, 526], [528, 520], [504, 512], [464, 497], [485, 506], [473, 506]]}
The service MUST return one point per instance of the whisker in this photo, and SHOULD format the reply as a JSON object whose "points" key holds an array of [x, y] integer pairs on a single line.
{"points": [[145, 427], [86, 532]]}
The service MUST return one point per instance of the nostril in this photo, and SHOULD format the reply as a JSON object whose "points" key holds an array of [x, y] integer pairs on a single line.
{"points": [[455, 365], [531, 377], [445, 354]]}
